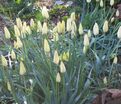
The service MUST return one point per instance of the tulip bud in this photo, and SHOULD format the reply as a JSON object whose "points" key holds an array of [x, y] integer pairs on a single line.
{"points": [[89, 33], [86, 40], [115, 60], [58, 78], [111, 2], [13, 55], [16, 31], [117, 13], [112, 19], [88, 1], [32, 23], [80, 29], [56, 58], [97, 0], [46, 46], [59, 27], [23, 29], [95, 29], [4, 61], [18, 43], [56, 37], [105, 26], [8, 86], [62, 67], [105, 80], [64, 56], [7, 33], [69, 23], [22, 70], [45, 12], [44, 28], [39, 26], [19, 23], [101, 3], [73, 17], [28, 30], [119, 33], [63, 26]]}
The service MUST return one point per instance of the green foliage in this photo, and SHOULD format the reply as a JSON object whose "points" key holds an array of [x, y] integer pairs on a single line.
{"points": [[86, 71]]}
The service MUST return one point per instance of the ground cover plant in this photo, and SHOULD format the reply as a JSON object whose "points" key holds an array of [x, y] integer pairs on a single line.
{"points": [[63, 63]]}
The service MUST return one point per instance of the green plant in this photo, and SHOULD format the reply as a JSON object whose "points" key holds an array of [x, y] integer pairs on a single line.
{"points": [[61, 64]]}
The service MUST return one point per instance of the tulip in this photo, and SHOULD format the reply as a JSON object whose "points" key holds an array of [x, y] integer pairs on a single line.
{"points": [[22, 70], [4, 61], [58, 78], [62, 67], [44, 28], [86, 40], [105, 27], [101, 3], [56, 57], [95, 29], [46, 46], [80, 29], [119, 33], [111, 2], [45, 12], [7, 33]]}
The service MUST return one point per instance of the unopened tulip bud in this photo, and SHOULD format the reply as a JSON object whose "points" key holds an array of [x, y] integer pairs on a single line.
{"points": [[115, 60], [56, 58], [105, 27], [62, 67], [119, 33], [19, 23], [111, 2], [63, 26], [117, 13], [80, 29], [45, 12], [18, 43], [28, 30], [69, 23], [59, 27], [8, 86], [16, 31], [4, 61], [58, 78], [32, 23], [112, 19], [86, 40], [88, 1], [39, 26], [13, 55], [44, 28], [95, 29], [105, 80], [97, 0], [101, 3], [73, 17], [46, 46], [7, 33], [22, 70]]}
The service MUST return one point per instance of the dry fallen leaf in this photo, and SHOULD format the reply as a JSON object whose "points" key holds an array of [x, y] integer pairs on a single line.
{"points": [[108, 96]]}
